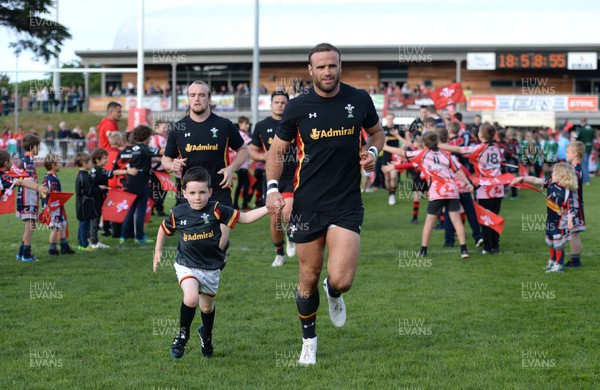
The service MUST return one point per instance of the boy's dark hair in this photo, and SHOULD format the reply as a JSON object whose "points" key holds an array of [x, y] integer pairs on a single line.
{"points": [[430, 140], [129, 137], [321, 47], [97, 154], [429, 123], [4, 157], [141, 133], [487, 132], [280, 93], [50, 161], [82, 158], [196, 174], [501, 135], [458, 116], [454, 127], [442, 133], [243, 119], [30, 141]]}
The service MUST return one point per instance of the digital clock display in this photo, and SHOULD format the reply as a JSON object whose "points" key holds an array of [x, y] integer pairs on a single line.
{"points": [[531, 60]]}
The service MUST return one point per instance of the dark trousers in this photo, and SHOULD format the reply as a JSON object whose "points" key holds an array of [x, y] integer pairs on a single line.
{"points": [[243, 187], [135, 216], [94, 228], [467, 203], [491, 238], [158, 194], [83, 233]]}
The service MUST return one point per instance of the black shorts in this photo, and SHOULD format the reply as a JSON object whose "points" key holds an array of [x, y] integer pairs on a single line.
{"points": [[386, 158], [307, 226], [222, 196], [435, 207]]}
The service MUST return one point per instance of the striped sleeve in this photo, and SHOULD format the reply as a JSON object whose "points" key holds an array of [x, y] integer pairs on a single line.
{"points": [[227, 215], [168, 225]]}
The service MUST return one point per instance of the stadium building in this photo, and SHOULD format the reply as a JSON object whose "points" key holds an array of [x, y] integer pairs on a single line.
{"points": [[515, 62]]}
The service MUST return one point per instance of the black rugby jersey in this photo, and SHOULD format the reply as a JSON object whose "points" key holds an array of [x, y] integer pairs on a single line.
{"points": [[204, 144], [199, 233], [328, 137], [262, 137]]}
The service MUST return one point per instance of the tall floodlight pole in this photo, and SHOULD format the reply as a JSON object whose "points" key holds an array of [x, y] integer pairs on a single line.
{"points": [[56, 81], [255, 66], [140, 55], [17, 94]]}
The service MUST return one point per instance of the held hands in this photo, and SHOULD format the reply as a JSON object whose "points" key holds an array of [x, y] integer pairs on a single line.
{"points": [[178, 164], [42, 189], [367, 161], [275, 202], [227, 178], [517, 180]]}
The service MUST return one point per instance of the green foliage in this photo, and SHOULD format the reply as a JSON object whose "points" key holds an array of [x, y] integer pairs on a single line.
{"points": [[442, 323]]}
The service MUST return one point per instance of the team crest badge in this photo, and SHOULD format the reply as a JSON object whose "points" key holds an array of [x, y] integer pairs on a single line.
{"points": [[215, 132], [205, 216], [349, 108]]}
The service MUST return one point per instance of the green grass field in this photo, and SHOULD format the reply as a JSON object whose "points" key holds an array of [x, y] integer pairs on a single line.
{"points": [[104, 320]]}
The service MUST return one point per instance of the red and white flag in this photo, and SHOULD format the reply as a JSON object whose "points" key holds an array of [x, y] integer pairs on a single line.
{"points": [[56, 200], [8, 200], [117, 205], [505, 179], [165, 181], [486, 218], [149, 207], [446, 96]]}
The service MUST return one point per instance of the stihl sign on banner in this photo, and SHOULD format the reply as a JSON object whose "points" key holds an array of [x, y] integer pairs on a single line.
{"points": [[532, 103]]}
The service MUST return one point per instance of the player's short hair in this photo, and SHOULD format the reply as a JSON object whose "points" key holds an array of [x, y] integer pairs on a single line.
{"points": [[115, 137], [97, 154], [30, 141], [280, 92], [141, 133], [322, 47], [4, 157], [454, 127], [565, 176], [578, 147], [81, 158], [129, 137], [431, 109], [430, 140], [113, 106], [442, 133], [200, 82], [487, 132], [50, 161], [196, 174]]}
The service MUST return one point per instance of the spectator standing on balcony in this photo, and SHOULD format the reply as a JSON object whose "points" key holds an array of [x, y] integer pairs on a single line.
{"points": [[49, 137], [80, 98], [78, 139], [585, 134], [406, 91], [63, 99], [44, 99], [109, 123], [64, 136], [6, 103]]}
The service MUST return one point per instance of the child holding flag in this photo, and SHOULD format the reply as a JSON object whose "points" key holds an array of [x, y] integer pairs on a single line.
{"points": [[57, 218], [561, 206], [27, 199]]}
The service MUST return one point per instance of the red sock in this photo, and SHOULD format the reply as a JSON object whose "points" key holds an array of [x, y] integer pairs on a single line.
{"points": [[552, 254], [463, 216], [415, 208]]}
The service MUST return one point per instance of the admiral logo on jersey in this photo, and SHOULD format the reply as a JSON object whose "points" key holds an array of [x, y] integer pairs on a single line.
{"points": [[198, 236], [195, 148], [317, 134]]}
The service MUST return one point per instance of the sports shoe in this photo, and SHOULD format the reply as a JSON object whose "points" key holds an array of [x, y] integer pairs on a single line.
{"points": [[308, 356], [207, 347], [19, 256], [279, 261], [85, 248], [290, 247], [464, 254], [178, 347], [573, 264], [479, 243], [337, 308], [414, 221], [558, 268], [392, 199], [100, 245], [53, 252], [122, 241], [144, 241], [549, 266], [66, 250], [28, 257], [484, 252], [422, 253]]}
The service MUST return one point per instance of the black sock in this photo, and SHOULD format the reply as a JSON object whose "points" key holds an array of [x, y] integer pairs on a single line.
{"points": [[279, 247], [26, 249], [307, 311], [21, 248], [207, 323], [186, 316], [463, 247], [423, 250], [52, 245], [333, 292]]}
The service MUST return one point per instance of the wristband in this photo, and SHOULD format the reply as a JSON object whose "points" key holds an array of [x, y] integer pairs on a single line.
{"points": [[271, 190], [373, 150], [272, 182]]}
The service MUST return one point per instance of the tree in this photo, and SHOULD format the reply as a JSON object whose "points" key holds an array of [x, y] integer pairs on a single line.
{"points": [[35, 32]]}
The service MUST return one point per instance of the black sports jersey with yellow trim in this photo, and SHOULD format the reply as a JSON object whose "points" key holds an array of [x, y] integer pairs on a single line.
{"points": [[199, 233], [559, 203], [204, 144], [328, 135], [262, 137]]}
